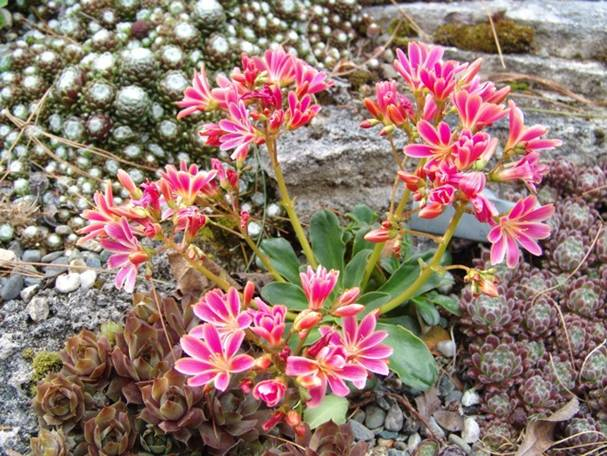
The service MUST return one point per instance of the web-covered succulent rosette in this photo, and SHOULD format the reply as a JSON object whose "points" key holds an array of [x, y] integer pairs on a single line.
{"points": [[329, 320]]}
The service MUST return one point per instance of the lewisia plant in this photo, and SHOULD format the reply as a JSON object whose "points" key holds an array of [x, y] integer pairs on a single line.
{"points": [[319, 335]]}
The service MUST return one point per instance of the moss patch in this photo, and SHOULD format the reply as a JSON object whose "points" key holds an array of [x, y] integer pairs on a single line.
{"points": [[514, 38], [45, 362], [519, 86], [404, 33]]}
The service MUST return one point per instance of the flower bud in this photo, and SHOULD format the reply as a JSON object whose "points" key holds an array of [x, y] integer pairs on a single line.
{"points": [[348, 311], [306, 320], [128, 184], [247, 293], [293, 418], [271, 391], [246, 385], [349, 296], [276, 418], [263, 362]]}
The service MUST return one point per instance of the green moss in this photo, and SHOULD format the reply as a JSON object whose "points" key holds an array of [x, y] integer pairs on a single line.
{"points": [[109, 330], [403, 34], [28, 354], [45, 362], [514, 38], [359, 77], [519, 86]]}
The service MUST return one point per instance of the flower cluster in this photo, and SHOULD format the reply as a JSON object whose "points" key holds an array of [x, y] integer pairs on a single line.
{"points": [[266, 95], [282, 375], [445, 121]]}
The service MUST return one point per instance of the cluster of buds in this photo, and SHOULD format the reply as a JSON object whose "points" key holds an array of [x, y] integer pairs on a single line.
{"points": [[264, 97], [445, 121], [282, 376]]}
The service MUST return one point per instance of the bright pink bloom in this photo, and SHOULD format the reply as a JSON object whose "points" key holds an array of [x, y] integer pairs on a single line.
{"points": [[228, 177], [487, 91], [528, 169], [213, 359], [521, 226], [211, 134], [471, 184], [301, 111], [329, 368], [474, 113], [484, 210], [127, 182], [348, 310], [103, 213], [419, 57], [363, 345], [247, 74], [271, 391], [278, 65], [186, 183], [127, 253], [269, 322], [190, 220], [527, 138], [223, 311], [150, 198], [318, 285], [389, 107], [441, 78], [438, 144], [239, 132], [308, 80], [430, 109], [431, 210], [349, 296], [471, 147], [198, 97]]}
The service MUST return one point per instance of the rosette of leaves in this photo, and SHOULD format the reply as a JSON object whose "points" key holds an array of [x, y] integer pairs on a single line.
{"points": [[49, 443], [87, 356], [60, 401], [111, 432], [342, 247], [497, 362], [329, 439], [576, 214], [172, 406], [484, 314], [154, 441], [141, 353]]}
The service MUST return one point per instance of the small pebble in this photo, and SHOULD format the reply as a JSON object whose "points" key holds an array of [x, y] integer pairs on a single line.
{"points": [[375, 416], [470, 398], [31, 256], [360, 431], [7, 256], [6, 232], [436, 429], [385, 443], [393, 452], [29, 292], [56, 269], [66, 283], [457, 440], [38, 309], [91, 245], [389, 435], [472, 431], [87, 279], [77, 265], [394, 419], [359, 416], [12, 287], [413, 441], [51, 257], [446, 348]]}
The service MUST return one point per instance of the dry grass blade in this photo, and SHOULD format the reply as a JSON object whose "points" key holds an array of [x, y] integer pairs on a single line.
{"points": [[497, 41]]}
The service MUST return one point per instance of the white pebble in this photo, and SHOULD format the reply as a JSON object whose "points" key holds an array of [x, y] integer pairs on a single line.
{"points": [[447, 348], [29, 292], [66, 283], [470, 398], [7, 256], [87, 279], [38, 309], [471, 432], [413, 442]]}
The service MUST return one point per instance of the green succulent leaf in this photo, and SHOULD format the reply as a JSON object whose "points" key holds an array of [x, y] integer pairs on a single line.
{"points": [[331, 408], [285, 293], [373, 300], [427, 311], [282, 257], [327, 240], [363, 214], [355, 269], [411, 360], [449, 303], [3, 3]]}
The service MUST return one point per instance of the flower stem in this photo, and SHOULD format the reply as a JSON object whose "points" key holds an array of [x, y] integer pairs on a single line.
{"points": [[373, 260], [263, 257], [287, 203], [427, 270]]}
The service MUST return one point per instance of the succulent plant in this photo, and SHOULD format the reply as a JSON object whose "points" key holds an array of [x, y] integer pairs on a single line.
{"points": [[172, 405], [87, 356], [499, 404], [580, 434], [568, 250], [496, 361], [537, 394], [60, 401], [485, 314], [154, 441], [329, 439], [576, 214], [498, 435], [540, 317], [585, 297], [49, 443], [111, 432]]}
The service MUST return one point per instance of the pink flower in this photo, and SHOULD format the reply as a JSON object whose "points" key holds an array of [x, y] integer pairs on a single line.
{"points": [[471, 147], [128, 254], [213, 359], [527, 138], [190, 220], [127, 182], [223, 311], [318, 285], [228, 177], [301, 111], [278, 65], [150, 198], [363, 345], [471, 184], [186, 183], [438, 144], [381, 234], [528, 169], [308, 80], [330, 367], [271, 391], [487, 91], [391, 108], [239, 132], [474, 113], [269, 322], [521, 226], [103, 213], [441, 78], [419, 57], [211, 134], [198, 97], [305, 320], [484, 210]]}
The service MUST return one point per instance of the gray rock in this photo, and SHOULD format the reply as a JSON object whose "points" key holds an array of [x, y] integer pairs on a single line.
{"points": [[359, 415], [389, 435], [38, 308], [394, 419], [66, 283], [92, 260], [59, 265], [413, 441], [7, 257], [12, 287], [87, 279], [394, 452], [375, 416], [457, 440], [471, 432], [31, 256], [29, 292], [447, 348], [470, 398], [436, 429], [360, 431], [49, 258]]}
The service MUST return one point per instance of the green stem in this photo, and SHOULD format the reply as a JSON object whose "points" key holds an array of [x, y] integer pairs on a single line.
{"points": [[427, 270], [287, 203], [373, 260], [263, 257]]}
